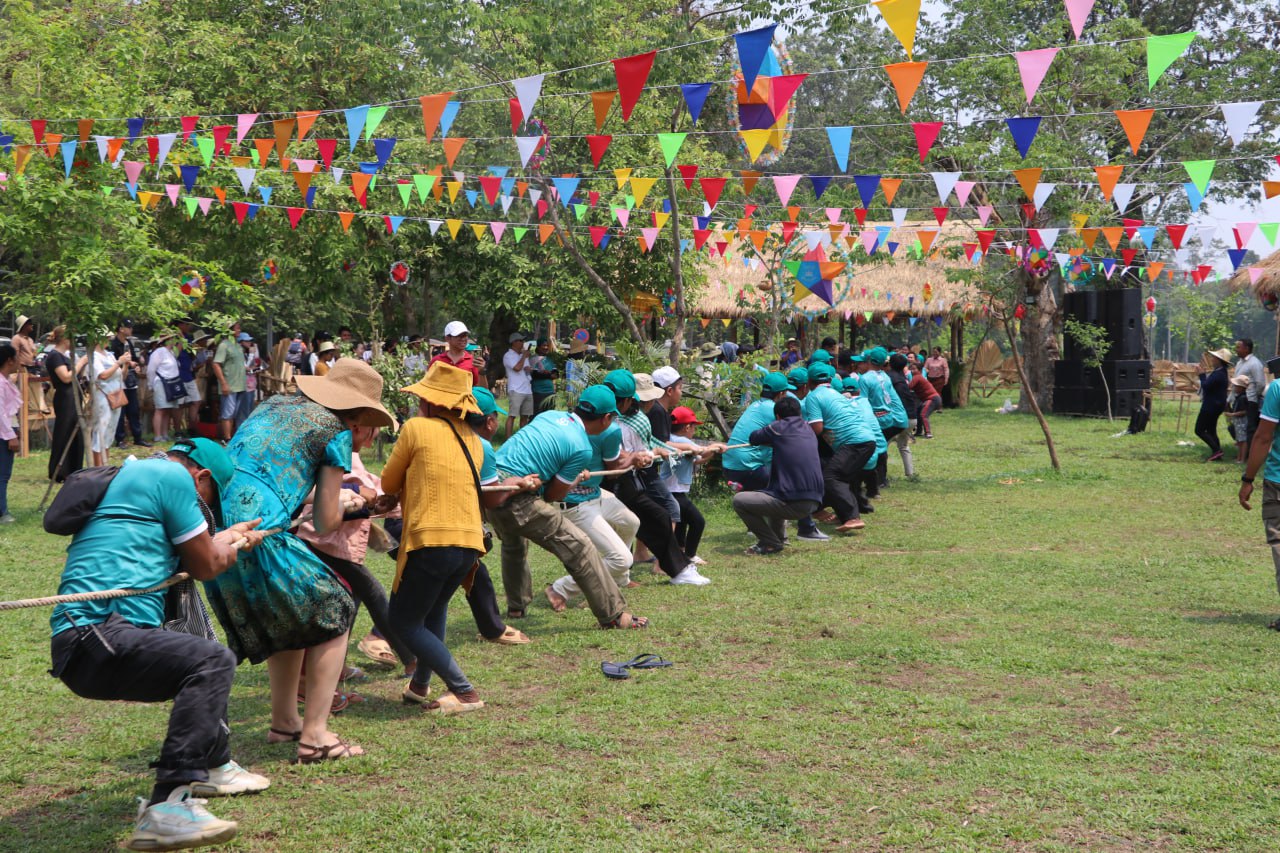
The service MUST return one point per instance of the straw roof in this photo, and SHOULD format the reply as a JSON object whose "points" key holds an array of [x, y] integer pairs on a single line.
{"points": [[731, 290], [1268, 283]]}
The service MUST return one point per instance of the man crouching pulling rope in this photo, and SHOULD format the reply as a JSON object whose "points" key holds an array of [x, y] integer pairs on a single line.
{"points": [[153, 515]]}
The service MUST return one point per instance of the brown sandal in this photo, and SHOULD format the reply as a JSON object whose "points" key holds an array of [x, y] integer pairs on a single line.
{"points": [[285, 737], [331, 752], [627, 620]]}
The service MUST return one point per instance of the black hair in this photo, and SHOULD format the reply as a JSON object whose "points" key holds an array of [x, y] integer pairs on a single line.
{"points": [[590, 416], [476, 419], [897, 361], [829, 342], [786, 407], [346, 329], [844, 358], [1248, 343], [7, 351]]}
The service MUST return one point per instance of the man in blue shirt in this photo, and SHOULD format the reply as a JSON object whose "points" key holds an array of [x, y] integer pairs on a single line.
{"points": [[795, 480], [888, 408], [555, 448], [153, 516], [749, 466], [832, 419]]}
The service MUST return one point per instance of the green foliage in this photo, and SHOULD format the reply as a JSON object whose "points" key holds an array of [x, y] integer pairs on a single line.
{"points": [[1093, 340]]}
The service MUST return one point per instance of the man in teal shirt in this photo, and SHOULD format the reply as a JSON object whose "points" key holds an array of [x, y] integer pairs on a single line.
{"points": [[831, 417], [749, 466], [888, 409], [555, 447], [1264, 456]]}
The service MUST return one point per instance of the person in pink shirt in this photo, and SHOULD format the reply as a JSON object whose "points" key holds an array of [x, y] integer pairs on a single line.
{"points": [[10, 405]]}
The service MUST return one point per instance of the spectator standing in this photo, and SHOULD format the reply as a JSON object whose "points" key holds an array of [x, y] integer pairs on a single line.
{"points": [[164, 377], [66, 451], [10, 405], [229, 368], [1237, 414], [108, 388], [1250, 366], [544, 376], [187, 414], [328, 351], [938, 371], [1213, 400], [23, 342], [456, 338], [131, 414], [519, 382], [245, 401]]}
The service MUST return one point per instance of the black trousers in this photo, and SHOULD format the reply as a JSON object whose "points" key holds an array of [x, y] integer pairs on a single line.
{"points": [[367, 590], [841, 473], [691, 525], [154, 665], [130, 414], [655, 524], [755, 480], [1207, 427], [882, 462], [1254, 409]]}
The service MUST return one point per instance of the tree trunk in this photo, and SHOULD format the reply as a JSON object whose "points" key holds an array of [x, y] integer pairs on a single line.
{"points": [[1028, 395], [1039, 341]]}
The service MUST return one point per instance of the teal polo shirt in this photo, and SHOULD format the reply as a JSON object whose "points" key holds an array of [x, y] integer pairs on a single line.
{"points": [[605, 447], [831, 408], [756, 416], [1271, 412], [553, 445]]}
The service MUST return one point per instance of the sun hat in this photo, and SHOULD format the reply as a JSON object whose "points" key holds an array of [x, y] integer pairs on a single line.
{"points": [[516, 336], [645, 389], [821, 372], [1240, 381], [792, 341], [485, 400], [455, 328], [708, 351], [443, 385], [597, 401], [326, 346], [208, 455], [683, 415], [877, 355], [1223, 355], [349, 384], [775, 383], [819, 355], [798, 376], [23, 320], [576, 346], [666, 376], [622, 383]]}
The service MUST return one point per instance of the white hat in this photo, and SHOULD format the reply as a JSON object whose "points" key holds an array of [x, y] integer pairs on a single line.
{"points": [[666, 376], [645, 389], [455, 328], [23, 320]]}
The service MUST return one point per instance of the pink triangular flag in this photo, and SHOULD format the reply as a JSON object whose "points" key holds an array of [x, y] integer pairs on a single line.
{"points": [[1033, 65], [1077, 11], [785, 185], [1255, 273], [984, 213], [171, 190], [833, 214], [963, 188], [648, 235], [132, 169], [869, 239], [244, 121], [498, 228], [1244, 230], [624, 215], [205, 204]]}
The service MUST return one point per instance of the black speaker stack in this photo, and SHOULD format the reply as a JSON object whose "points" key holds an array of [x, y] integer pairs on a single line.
{"points": [[1079, 389]]}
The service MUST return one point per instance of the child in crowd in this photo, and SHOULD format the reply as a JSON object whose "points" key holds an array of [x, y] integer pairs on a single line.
{"points": [[1237, 415], [692, 523]]}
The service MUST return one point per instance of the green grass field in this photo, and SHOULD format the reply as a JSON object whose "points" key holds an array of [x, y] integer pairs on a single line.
{"points": [[1005, 658]]}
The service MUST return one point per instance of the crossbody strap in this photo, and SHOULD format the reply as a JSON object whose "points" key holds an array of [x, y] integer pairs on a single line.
{"points": [[475, 477]]}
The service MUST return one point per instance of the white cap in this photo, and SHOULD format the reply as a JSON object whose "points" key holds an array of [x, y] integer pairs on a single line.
{"points": [[455, 328], [666, 376]]}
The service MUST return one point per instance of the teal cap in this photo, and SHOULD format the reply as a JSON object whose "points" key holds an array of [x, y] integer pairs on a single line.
{"points": [[821, 372], [210, 455], [798, 376], [622, 383], [877, 355], [857, 359], [819, 355], [484, 399], [837, 383], [775, 383], [598, 400]]}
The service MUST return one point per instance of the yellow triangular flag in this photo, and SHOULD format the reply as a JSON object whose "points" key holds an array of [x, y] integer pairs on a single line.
{"points": [[454, 187], [755, 140], [902, 17], [478, 230], [1078, 220], [640, 188], [622, 176], [453, 225], [660, 219]]}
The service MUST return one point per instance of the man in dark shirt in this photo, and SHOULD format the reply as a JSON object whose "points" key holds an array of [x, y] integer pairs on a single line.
{"points": [[119, 345], [795, 479]]}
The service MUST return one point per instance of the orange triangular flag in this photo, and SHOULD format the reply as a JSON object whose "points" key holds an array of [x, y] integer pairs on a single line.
{"points": [[889, 186], [303, 180], [240, 161], [1271, 189], [1107, 177], [744, 225], [757, 239], [51, 143], [306, 118], [1028, 179], [906, 77], [793, 212], [749, 179], [1113, 236], [545, 230], [21, 154], [284, 163], [926, 239], [437, 189], [432, 108], [113, 148], [1089, 236], [221, 194], [1135, 124], [1154, 268], [600, 103], [85, 127], [264, 147], [521, 188], [835, 229], [284, 131], [360, 183], [345, 217], [452, 146]]}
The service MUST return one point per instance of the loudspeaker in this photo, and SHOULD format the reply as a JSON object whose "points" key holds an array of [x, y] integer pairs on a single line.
{"points": [[1077, 400], [1068, 372], [1125, 403], [1086, 306], [1123, 314], [1132, 375]]}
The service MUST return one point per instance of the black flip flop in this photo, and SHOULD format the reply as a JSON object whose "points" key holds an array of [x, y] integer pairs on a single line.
{"points": [[617, 671], [647, 662]]}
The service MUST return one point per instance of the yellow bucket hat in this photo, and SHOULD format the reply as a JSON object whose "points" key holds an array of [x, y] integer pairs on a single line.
{"points": [[446, 386]]}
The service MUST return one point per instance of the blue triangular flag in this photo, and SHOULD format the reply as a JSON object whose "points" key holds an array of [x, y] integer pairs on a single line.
{"points": [[753, 46], [695, 95], [891, 246], [684, 244], [447, 115], [507, 184], [266, 194], [472, 197], [135, 127], [604, 240], [311, 196], [189, 175], [1237, 257], [68, 149], [701, 222], [565, 188], [369, 168], [355, 123], [666, 205], [253, 211], [382, 149], [1023, 130], [867, 186], [819, 183], [1147, 234], [6, 142], [133, 190], [1194, 197], [1108, 264], [882, 234], [841, 138], [395, 222], [499, 171]]}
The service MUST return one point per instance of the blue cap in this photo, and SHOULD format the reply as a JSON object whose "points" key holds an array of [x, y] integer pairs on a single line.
{"points": [[597, 400], [209, 455], [819, 355], [837, 383], [821, 372], [622, 383], [244, 337], [775, 383], [857, 359], [798, 376], [877, 355], [485, 400]]}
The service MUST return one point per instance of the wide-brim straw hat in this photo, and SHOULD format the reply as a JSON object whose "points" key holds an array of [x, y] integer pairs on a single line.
{"points": [[445, 386], [327, 346], [708, 351], [1223, 355], [1240, 381], [645, 389], [576, 346], [23, 320], [349, 384]]}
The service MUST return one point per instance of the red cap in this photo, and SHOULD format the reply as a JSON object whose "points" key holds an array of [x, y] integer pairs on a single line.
{"points": [[682, 415]]}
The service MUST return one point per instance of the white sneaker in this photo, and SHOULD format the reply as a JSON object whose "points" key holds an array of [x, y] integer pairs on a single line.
{"points": [[179, 823], [228, 780], [7, 519], [690, 577]]}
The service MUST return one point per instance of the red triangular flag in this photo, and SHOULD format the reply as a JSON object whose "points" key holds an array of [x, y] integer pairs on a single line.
{"points": [[220, 134], [327, 147], [491, 184], [687, 173], [295, 214], [1176, 233], [632, 72], [711, 188], [985, 236], [788, 231], [860, 214], [241, 209], [700, 236], [781, 89], [598, 145], [37, 128], [940, 214], [926, 134]]}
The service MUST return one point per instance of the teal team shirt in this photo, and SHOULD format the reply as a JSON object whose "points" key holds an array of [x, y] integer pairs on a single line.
{"points": [[862, 410], [554, 444], [488, 467], [1271, 412], [756, 416], [543, 386], [131, 543], [877, 387], [605, 447], [829, 406]]}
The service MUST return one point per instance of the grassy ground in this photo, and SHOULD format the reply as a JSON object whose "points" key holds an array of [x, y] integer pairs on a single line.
{"points": [[1004, 659]]}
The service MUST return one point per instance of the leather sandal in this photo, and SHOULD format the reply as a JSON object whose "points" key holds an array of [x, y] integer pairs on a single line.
{"points": [[626, 620], [509, 637], [449, 704], [377, 650], [285, 737], [331, 752]]}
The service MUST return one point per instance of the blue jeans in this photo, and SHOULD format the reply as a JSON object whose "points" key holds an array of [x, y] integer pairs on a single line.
{"points": [[6, 470], [420, 609]]}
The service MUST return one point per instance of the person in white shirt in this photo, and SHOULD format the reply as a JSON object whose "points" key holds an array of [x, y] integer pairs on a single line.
{"points": [[108, 374], [1249, 366], [519, 382]]}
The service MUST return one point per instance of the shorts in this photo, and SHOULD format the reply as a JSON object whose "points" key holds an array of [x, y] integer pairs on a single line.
{"points": [[519, 405], [228, 405], [158, 399], [193, 393]]}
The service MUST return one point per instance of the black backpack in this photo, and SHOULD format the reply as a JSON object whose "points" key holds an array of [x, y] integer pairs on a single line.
{"points": [[78, 499]]}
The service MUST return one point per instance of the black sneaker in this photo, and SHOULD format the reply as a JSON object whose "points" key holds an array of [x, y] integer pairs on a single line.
{"points": [[140, 443]]}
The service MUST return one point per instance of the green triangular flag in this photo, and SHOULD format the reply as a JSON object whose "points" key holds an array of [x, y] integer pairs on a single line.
{"points": [[191, 204], [205, 144], [1163, 51], [406, 190], [423, 183], [106, 190], [671, 143], [375, 116], [1200, 171], [631, 202], [868, 315], [373, 182], [1269, 230], [794, 266], [580, 210], [520, 232]]}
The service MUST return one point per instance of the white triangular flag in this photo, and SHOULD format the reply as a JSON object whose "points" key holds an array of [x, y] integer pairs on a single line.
{"points": [[1238, 117], [1049, 236], [899, 216], [1121, 196], [527, 145], [246, 177], [528, 89], [945, 182], [164, 142], [1043, 191], [535, 196], [338, 172]]}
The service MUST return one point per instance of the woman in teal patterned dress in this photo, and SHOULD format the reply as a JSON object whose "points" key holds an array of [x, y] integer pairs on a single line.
{"points": [[280, 603]]}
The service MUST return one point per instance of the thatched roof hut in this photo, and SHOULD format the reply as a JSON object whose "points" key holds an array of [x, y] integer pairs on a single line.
{"points": [[1267, 284], [732, 288]]}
